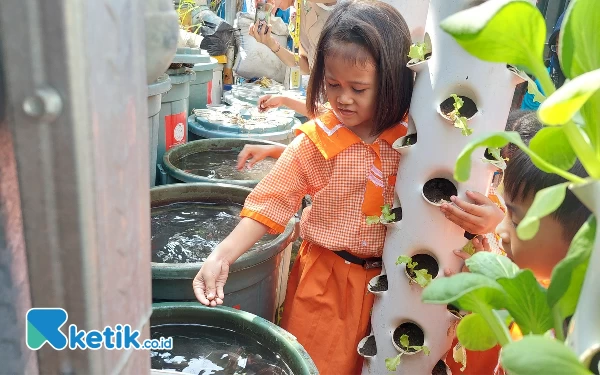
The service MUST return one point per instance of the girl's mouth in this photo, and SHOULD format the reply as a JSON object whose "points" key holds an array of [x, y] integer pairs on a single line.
{"points": [[345, 112]]}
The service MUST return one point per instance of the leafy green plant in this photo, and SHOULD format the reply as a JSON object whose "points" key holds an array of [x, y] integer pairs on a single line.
{"points": [[386, 217], [392, 363], [497, 161], [421, 276], [460, 122], [498, 293], [418, 51], [571, 115]]}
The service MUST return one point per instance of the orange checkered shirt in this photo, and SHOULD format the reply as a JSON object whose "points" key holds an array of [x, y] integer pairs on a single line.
{"points": [[336, 168]]}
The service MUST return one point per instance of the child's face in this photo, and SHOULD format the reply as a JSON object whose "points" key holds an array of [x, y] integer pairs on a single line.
{"points": [[542, 252], [352, 89]]}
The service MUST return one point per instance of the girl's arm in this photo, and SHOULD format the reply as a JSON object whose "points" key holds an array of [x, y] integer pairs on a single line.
{"points": [[210, 280], [297, 105]]}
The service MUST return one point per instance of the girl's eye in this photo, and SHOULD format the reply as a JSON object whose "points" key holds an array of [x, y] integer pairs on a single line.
{"points": [[332, 84], [359, 91], [514, 224]]}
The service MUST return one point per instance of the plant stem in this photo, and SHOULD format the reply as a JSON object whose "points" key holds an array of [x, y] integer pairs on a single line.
{"points": [[545, 81], [582, 148], [496, 325], [558, 323], [567, 175]]}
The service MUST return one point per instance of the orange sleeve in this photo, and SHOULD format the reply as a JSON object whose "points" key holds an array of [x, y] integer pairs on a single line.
{"points": [[278, 196]]}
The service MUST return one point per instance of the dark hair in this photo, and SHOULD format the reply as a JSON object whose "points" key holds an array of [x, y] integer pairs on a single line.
{"points": [[524, 122], [523, 179], [379, 29]]}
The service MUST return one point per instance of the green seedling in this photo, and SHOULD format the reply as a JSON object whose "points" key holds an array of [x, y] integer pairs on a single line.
{"points": [[386, 217], [460, 122], [418, 51], [392, 363], [421, 276]]}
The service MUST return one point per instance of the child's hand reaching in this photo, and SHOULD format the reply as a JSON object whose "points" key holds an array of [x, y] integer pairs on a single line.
{"points": [[480, 217], [479, 243], [210, 280]]}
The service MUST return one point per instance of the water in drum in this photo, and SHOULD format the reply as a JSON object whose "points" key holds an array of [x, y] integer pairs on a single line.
{"points": [[205, 350], [221, 165], [187, 232]]}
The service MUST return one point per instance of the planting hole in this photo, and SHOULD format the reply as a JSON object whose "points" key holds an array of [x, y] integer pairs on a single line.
{"points": [[595, 363], [379, 284], [368, 347], [439, 190], [454, 311], [440, 368], [398, 212], [424, 261], [414, 333], [469, 236], [405, 141], [468, 109]]}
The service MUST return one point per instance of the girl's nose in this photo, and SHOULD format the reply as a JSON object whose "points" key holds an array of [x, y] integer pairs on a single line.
{"points": [[503, 229], [344, 99]]}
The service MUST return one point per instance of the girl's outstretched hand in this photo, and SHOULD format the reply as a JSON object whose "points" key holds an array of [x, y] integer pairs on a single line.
{"points": [[481, 217], [255, 153], [210, 280]]}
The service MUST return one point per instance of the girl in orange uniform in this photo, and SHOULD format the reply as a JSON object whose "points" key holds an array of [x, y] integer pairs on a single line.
{"points": [[345, 161]]}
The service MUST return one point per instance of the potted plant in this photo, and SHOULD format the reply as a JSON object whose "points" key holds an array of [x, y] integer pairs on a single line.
{"points": [[572, 131], [420, 269], [427, 170], [408, 339], [388, 215], [459, 109]]}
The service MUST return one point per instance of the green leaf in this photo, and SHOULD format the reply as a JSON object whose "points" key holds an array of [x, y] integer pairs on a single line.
{"points": [[461, 123], [498, 161], [532, 88], [426, 350], [491, 265], [512, 32], [462, 172], [467, 291], [546, 201], [535, 355], [474, 333], [403, 259], [458, 103], [567, 276], [561, 106], [417, 51], [404, 341], [552, 145], [372, 220], [386, 210], [392, 363], [422, 277], [579, 38], [527, 303]]}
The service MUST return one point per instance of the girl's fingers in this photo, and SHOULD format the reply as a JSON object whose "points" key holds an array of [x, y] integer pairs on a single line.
{"points": [[471, 208], [460, 218], [478, 198]]}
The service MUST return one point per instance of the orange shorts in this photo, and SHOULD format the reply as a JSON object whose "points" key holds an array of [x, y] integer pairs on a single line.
{"points": [[328, 308]]}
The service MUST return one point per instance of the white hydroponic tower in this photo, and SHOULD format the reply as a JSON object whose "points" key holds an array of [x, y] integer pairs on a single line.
{"points": [[423, 229]]}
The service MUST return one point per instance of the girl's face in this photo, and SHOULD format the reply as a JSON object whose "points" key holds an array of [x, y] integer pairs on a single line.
{"points": [[351, 85], [541, 253]]}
